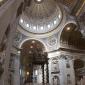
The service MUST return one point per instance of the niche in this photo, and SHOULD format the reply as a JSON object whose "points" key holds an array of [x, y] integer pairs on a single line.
{"points": [[56, 80], [67, 64], [55, 66], [68, 79]]}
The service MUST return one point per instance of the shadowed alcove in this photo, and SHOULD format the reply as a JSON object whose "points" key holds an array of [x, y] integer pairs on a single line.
{"points": [[72, 37]]}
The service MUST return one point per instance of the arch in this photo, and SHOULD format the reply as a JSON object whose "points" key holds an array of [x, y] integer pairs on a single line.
{"points": [[56, 80], [68, 79], [71, 36], [33, 51], [64, 27], [20, 45], [33, 42], [79, 65], [69, 28]]}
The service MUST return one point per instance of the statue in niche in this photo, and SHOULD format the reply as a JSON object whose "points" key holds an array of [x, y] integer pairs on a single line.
{"points": [[56, 80], [55, 66], [67, 64], [68, 79]]}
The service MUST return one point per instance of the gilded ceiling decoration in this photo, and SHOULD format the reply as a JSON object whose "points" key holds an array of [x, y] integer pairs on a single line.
{"points": [[41, 16]]}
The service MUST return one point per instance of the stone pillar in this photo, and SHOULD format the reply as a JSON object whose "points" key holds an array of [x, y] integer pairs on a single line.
{"points": [[16, 74], [43, 74], [49, 70], [6, 75], [47, 73], [31, 73], [61, 70]]}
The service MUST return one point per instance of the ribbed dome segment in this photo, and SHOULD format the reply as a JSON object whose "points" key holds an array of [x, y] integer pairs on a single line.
{"points": [[42, 10], [41, 16]]}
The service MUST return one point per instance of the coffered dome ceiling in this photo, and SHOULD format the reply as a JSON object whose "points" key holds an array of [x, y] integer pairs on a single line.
{"points": [[42, 16]]}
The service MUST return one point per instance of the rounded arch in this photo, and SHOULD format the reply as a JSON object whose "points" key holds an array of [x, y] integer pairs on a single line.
{"points": [[68, 22], [33, 51], [56, 80], [71, 21], [20, 45], [32, 55], [68, 29], [34, 43], [79, 65], [71, 36]]}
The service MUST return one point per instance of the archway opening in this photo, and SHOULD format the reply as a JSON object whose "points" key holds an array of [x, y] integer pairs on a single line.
{"points": [[79, 67], [34, 61], [72, 37]]}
